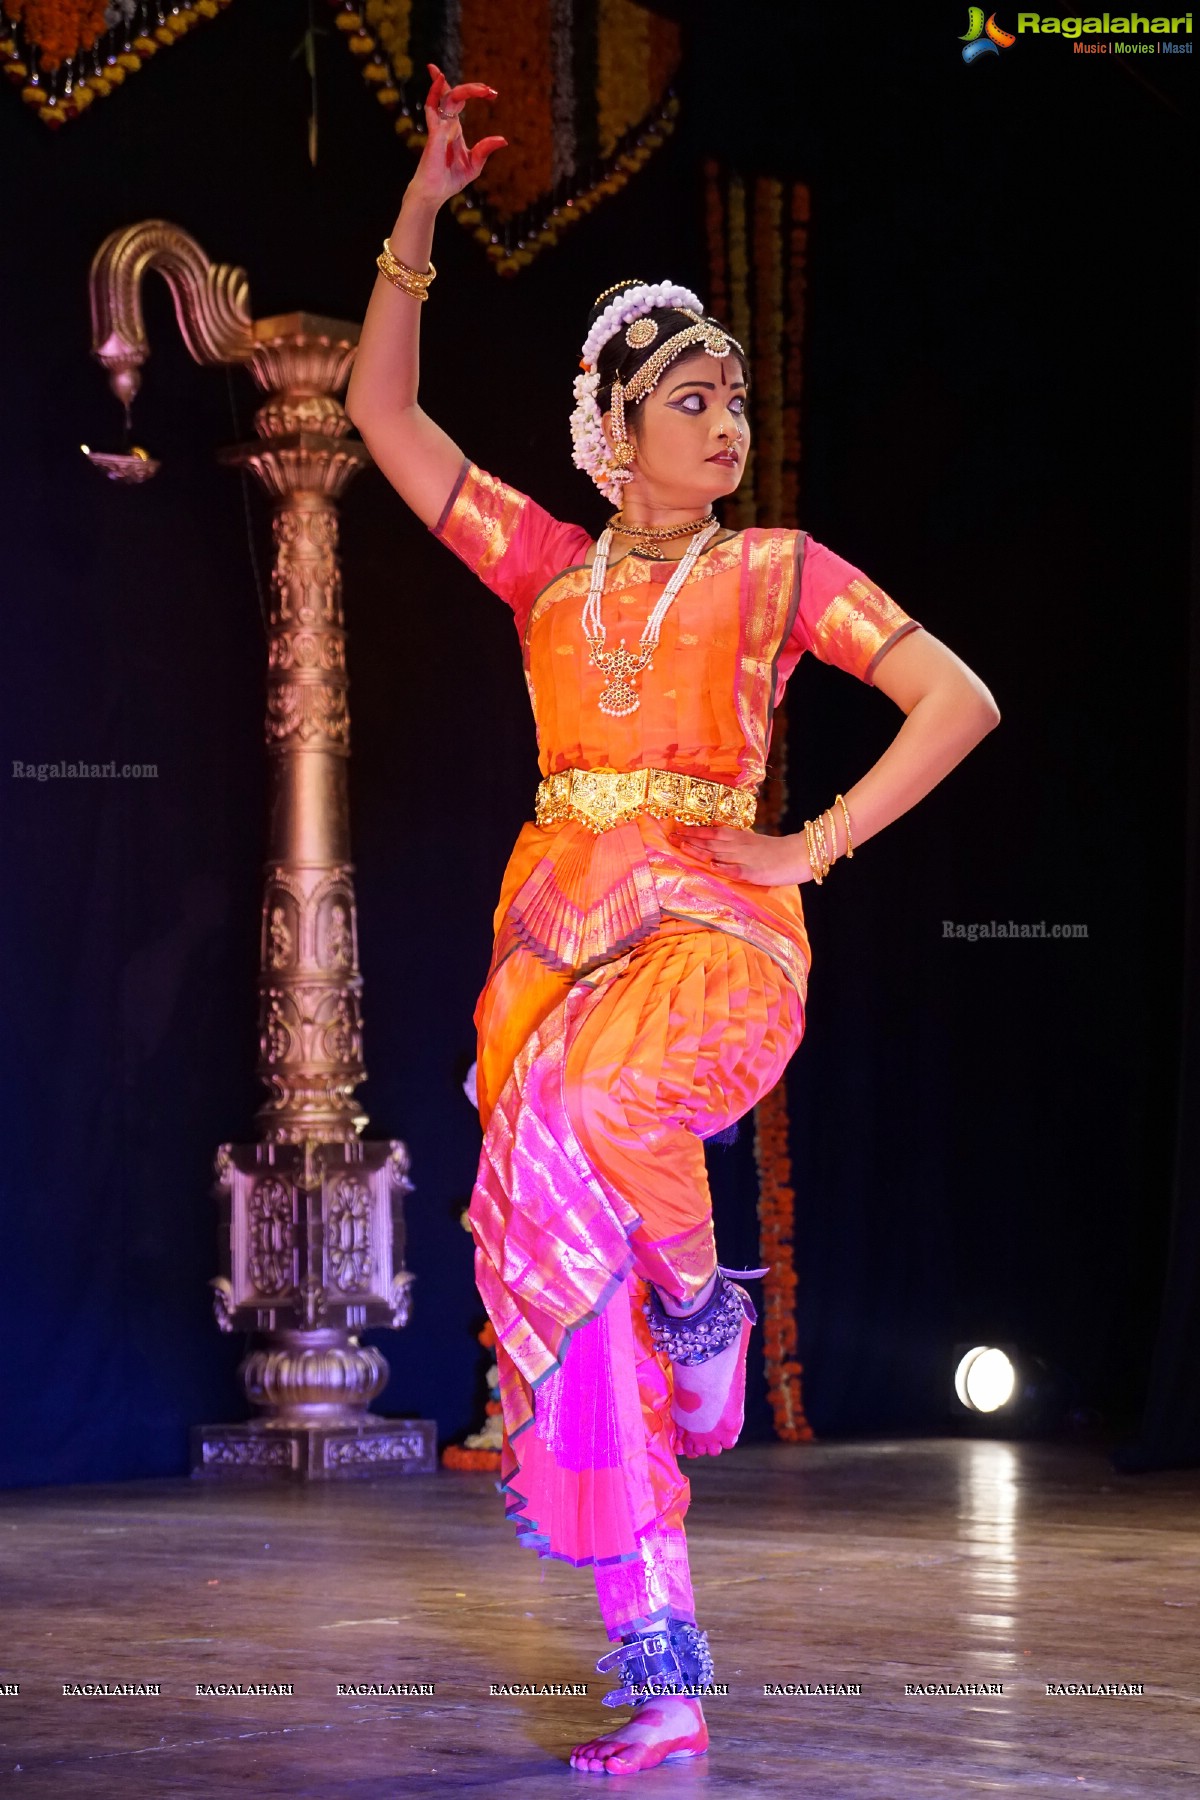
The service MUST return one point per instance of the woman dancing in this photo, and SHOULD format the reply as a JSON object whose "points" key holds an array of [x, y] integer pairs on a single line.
{"points": [[648, 979]]}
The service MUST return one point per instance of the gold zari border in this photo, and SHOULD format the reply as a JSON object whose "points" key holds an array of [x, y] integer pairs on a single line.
{"points": [[601, 798]]}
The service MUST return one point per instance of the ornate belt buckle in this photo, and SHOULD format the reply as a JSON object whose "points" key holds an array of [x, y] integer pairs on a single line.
{"points": [[606, 797]]}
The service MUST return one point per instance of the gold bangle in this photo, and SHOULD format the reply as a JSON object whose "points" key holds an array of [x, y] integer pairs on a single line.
{"points": [[408, 280], [819, 830], [401, 281], [422, 276], [828, 813], [846, 814], [813, 864]]}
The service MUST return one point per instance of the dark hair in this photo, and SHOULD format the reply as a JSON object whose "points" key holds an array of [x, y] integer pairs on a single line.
{"points": [[617, 358]]}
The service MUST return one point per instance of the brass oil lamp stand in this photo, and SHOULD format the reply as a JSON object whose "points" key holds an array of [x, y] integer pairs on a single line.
{"points": [[312, 1215]]}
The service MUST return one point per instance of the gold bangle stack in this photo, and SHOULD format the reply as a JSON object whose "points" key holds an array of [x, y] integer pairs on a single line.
{"points": [[410, 281], [822, 850]]}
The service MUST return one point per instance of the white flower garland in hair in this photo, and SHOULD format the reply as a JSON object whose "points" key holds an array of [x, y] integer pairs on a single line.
{"points": [[591, 450]]}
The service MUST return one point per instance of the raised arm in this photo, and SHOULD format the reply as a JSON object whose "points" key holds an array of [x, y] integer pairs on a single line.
{"points": [[417, 456]]}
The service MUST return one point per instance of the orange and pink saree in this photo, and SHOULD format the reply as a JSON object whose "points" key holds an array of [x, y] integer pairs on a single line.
{"points": [[636, 1003]]}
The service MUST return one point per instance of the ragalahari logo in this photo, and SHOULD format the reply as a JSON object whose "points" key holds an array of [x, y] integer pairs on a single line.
{"points": [[983, 39]]}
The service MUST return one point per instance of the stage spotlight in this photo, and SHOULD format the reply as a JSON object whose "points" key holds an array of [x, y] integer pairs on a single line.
{"points": [[985, 1379], [1008, 1390]]}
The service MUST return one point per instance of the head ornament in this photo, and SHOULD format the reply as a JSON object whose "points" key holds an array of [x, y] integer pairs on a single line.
{"points": [[626, 311]]}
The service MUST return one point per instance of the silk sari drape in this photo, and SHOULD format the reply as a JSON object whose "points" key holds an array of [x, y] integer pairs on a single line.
{"points": [[636, 1003]]}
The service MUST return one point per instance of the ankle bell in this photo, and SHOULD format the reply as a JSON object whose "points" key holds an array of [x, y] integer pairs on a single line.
{"points": [[657, 1664], [700, 1335]]}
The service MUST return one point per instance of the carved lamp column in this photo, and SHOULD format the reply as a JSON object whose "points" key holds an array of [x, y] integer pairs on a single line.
{"points": [[312, 1220]]}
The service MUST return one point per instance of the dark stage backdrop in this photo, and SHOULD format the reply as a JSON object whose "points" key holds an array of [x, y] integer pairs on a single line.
{"points": [[997, 424]]}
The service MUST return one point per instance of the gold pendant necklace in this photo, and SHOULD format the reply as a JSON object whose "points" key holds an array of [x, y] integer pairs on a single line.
{"points": [[618, 696]]}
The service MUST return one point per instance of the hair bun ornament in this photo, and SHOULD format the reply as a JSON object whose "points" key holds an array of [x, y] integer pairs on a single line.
{"points": [[628, 304], [617, 287]]}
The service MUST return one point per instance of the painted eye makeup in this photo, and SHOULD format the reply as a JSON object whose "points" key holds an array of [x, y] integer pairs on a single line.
{"points": [[738, 400]]}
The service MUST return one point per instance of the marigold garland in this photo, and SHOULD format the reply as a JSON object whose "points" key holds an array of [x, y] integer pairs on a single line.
{"points": [[715, 241], [526, 198], [470, 1455], [740, 511], [513, 44], [793, 368], [622, 70], [65, 55], [767, 323], [776, 1195]]}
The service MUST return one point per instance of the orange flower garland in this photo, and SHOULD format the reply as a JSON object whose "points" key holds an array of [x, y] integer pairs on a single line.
{"points": [[60, 28], [715, 240], [622, 70], [776, 1214], [767, 325], [512, 43], [793, 362], [57, 35], [462, 1456], [664, 50], [741, 509]]}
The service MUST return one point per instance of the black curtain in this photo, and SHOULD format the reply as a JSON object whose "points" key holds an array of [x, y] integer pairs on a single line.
{"points": [[1169, 1435]]}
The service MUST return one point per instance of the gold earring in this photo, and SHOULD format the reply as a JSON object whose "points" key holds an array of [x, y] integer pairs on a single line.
{"points": [[623, 451]]}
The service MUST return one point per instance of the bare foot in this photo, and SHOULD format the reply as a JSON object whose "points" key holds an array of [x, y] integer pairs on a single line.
{"points": [[705, 1423], [661, 1730], [708, 1407]]}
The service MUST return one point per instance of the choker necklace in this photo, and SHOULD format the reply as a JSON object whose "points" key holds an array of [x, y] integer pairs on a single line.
{"points": [[619, 696], [646, 538]]}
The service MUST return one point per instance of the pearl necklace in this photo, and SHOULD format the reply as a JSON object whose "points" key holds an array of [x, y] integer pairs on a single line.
{"points": [[619, 696]]}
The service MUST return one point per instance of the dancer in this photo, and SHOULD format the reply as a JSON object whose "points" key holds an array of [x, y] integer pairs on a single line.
{"points": [[649, 973]]}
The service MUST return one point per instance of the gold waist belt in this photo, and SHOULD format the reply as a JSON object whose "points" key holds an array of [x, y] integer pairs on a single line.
{"points": [[600, 798]]}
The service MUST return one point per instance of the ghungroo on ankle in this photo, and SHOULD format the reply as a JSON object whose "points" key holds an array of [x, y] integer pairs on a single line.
{"points": [[652, 1664], [696, 1337]]}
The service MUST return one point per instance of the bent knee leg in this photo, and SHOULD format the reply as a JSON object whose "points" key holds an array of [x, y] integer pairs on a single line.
{"points": [[655, 1163]]}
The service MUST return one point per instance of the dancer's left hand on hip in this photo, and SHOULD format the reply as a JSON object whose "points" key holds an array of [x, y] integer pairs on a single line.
{"points": [[767, 861]]}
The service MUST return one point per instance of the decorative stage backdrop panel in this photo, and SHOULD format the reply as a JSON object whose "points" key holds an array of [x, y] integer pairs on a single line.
{"points": [[602, 71]]}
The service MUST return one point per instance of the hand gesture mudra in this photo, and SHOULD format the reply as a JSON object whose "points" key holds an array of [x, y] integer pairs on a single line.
{"points": [[447, 164]]}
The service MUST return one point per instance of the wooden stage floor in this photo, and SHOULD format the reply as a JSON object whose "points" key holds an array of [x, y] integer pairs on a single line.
{"points": [[944, 1562]]}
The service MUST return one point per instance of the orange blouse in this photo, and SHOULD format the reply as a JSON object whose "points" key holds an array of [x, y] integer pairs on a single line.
{"points": [[751, 607]]}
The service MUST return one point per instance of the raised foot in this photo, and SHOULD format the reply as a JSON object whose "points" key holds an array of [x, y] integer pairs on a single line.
{"points": [[708, 1408], [660, 1731]]}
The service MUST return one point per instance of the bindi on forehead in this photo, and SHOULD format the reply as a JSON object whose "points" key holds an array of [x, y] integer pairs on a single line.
{"points": [[721, 370]]}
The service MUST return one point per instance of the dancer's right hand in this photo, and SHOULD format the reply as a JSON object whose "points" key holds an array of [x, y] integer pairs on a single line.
{"points": [[446, 164]]}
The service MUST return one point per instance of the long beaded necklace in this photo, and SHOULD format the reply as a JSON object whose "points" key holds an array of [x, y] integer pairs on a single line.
{"points": [[619, 696]]}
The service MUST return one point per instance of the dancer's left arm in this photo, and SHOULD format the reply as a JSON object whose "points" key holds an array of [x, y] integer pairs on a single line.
{"points": [[947, 709]]}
